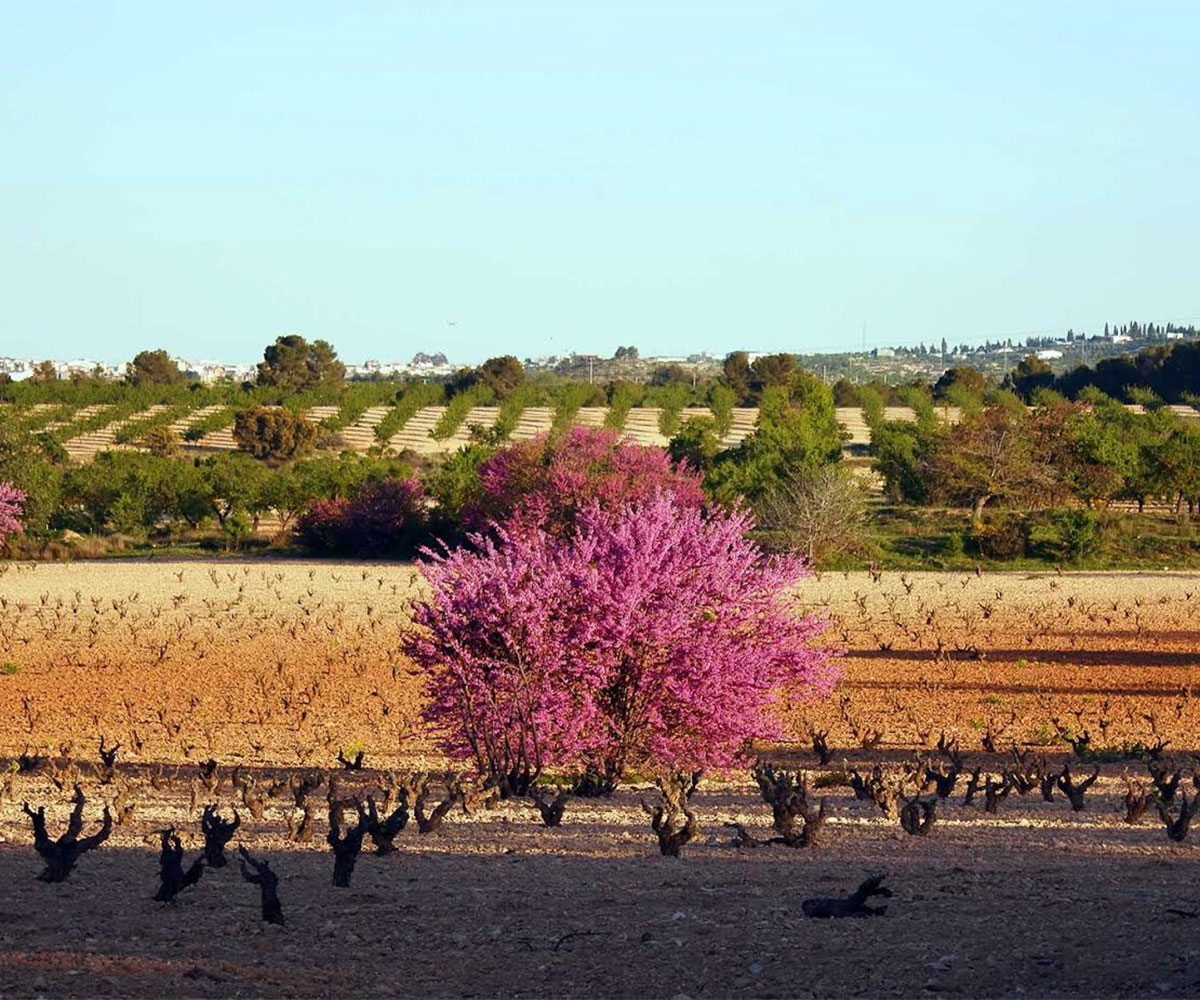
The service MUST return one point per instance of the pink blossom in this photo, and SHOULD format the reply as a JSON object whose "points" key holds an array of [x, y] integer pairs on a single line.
{"points": [[547, 482], [382, 517], [651, 636], [12, 505]]}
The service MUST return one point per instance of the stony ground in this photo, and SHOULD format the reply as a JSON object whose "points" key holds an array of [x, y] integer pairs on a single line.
{"points": [[276, 667]]}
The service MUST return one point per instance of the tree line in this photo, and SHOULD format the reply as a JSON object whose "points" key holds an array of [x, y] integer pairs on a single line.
{"points": [[1020, 446]]}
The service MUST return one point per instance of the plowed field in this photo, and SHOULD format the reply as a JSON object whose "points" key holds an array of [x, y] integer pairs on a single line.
{"points": [[271, 669]]}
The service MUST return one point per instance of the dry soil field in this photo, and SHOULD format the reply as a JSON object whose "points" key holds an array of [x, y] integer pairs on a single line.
{"points": [[276, 667]]}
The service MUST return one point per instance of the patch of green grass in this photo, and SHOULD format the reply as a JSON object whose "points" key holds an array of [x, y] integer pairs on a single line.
{"points": [[1044, 736], [10, 668], [910, 537], [1129, 750]]}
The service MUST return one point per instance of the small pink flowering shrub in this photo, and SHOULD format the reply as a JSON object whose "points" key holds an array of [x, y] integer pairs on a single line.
{"points": [[385, 517], [12, 505]]}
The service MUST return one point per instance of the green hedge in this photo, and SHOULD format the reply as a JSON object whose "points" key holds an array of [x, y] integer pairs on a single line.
{"points": [[137, 429], [215, 421], [414, 398], [458, 408]]}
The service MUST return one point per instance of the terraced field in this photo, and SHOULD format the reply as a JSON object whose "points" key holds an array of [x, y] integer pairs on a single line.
{"points": [[642, 424]]}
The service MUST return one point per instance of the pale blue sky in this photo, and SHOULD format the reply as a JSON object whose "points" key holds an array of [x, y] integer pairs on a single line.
{"points": [[566, 176]]}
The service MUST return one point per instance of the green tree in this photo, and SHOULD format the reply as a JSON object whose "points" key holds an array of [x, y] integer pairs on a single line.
{"points": [[503, 375], [1178, 465], [274, 433], [235, 484], [1002, 453], [1103, 447], [293, 364], [797, 429], [736, 374], [961, 377], [153, 368], [898, 448], [129, 492], [189, 492], [696, 443], [772, 370], [1030, 374], [285, 493], [672, 374], [873, 405], [721, 400], [26, 464]]}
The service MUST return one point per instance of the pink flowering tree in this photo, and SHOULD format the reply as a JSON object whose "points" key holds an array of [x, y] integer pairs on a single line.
{"points": [[12, 505], [652, 636], [548, 482]]}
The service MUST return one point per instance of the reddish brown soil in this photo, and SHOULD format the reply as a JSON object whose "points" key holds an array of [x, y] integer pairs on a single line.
{"points": [[1113, 654], [1033, 901]]}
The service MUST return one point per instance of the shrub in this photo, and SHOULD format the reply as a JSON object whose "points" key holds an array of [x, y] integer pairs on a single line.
{"points": [[1002, 536], [951, 545], [321, 527], [384, 517], [409, 400], [672, 398], [161, 442], [695, 444], [236, 529], [651, 637], [816, 513], [571, 397], [622, 397], [274, 433], [12, 505], [1076, 532], [453, 484], [511, 408], [546, 483], [722, 400], [458, 408], [206, 425]]}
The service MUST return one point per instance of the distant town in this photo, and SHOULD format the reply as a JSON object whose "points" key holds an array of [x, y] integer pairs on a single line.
{"points": [[892, 364]]}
